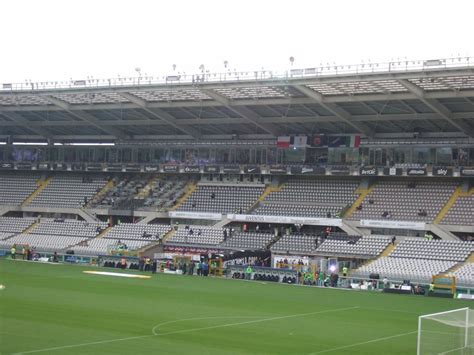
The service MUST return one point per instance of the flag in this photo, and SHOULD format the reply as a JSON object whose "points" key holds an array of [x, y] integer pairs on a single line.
{"points": [[355, 141], [300, 141], [283, 142]]}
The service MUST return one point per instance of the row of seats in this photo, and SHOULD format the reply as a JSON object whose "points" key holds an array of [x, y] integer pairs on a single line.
{"points": [[42, 242], [68, 227], [69, 191], [465, 275], [404, 200], [127, 231], [15, 224], [286, 209], [462, 212], [418, 248], [198, 235], [368, 246], [101, 246], [221, 199], [16, 187]]}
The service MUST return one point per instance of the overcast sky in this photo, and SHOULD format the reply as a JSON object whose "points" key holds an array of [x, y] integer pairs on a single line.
{"points": [[51, 40]]}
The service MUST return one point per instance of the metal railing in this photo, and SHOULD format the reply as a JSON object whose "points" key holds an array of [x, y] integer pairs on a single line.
{"points": [[398, 66]]}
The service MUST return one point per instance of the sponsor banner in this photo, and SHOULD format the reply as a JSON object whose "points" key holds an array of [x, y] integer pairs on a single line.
{"points": [[368, 171], [77, 167], [196, 215], [192, 169], [212, 169], [60, 166], [392, 171], [442, 171], [6, 166], [392, 224], [170, 168], [171, 250], [94, 167], [151, 168], [308, 170], [277, 169], [24, 166], [467, 171], [342, 170], [285, 220], [114, 167], [132, 167], [252, 170], [231, 169], [416, 171], [44, 166]]}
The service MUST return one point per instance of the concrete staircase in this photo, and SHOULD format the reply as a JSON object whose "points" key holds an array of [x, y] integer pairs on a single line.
{"points": [[146, 189], [268, 190], [190, 188], [41, 183], [469, 260], [388, 250], [155, 246], [28, 230], [451, 201], [104, 232], [99, 195], [362, 195]]}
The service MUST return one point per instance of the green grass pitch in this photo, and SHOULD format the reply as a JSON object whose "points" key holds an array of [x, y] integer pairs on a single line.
{"points": [[57, 309]]}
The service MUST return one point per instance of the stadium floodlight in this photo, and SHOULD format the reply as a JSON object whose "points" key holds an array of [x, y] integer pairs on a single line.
{"points": [[450, 332]]}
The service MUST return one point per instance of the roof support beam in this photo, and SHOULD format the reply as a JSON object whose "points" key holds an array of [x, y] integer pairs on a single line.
{"points": [[19, 119], [160, 114], [87, 117], [242, 111], [436, 106], [335, 110]]}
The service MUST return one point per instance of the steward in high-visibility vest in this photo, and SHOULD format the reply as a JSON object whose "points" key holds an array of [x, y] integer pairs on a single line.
{"points": [[249, 271], [344, 271], [13, 251]]}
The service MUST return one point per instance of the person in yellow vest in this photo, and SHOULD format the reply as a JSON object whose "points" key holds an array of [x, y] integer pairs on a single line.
{"points": [[13, 251], [344, 271], [23, 253], [432, 288]]}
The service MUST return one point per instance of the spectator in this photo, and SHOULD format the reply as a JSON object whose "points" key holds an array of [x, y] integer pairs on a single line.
{"points": [[394, 238]]}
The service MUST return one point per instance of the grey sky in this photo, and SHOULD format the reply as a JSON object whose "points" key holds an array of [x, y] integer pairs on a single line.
{"points": [[56, 40]]}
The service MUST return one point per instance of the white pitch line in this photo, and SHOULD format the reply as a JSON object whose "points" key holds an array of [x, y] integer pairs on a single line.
{"points": [[186, 330], [82, 344], [257, 321], [363, 343], [451, 351]]}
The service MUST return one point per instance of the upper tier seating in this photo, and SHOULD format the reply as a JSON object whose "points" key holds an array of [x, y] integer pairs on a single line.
{"points": [[403, 202], [128, 231], [199, 235], [164, 193], [227, 199], [310, 198], [69, 191], [465, 275], [462, 212], [123, 190], [15, 188], [248, 241]]}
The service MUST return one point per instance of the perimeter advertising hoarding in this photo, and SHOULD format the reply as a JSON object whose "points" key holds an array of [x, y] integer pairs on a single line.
{"points": [[212, 169], [368, 171], [416, 171], [252, 170], [442, 171], [285, 220], [192, 169], [170, 168], [277, 169], [467, 171]]}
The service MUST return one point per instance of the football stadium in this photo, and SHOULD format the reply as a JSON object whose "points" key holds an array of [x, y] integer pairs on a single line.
{"points": [[323, 209]]}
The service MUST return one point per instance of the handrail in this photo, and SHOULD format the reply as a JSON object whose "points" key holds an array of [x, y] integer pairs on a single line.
{"points": [[398, 66]]}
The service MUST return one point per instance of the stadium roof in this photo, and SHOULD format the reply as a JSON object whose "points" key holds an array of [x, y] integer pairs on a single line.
{"points": [[372, 99]]}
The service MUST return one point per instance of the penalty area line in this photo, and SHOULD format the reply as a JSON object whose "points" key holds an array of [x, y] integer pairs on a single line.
{"points": [[363, 343]]}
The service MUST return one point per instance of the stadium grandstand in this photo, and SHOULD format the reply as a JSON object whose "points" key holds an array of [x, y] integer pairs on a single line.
{"points": [[372, 166], [356, 177]]}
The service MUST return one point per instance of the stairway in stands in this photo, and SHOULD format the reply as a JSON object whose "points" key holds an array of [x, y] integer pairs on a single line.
{"points": [[190, 188], [362, 195], [41, 185]]}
